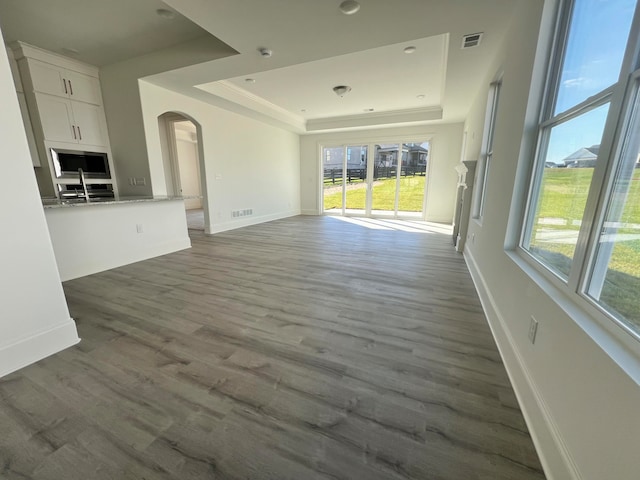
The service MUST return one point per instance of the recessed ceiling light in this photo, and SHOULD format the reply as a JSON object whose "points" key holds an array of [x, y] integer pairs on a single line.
{"points": [[410, 49], [341, 90], [420, 97], [349, 7], [164, 13], [250, 80], [265, 52]]}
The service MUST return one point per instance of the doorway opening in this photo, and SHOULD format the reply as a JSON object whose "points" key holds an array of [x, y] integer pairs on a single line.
{"points": [[184, 166], [379, 179]]}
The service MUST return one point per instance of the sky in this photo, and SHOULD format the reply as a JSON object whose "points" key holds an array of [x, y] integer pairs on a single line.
{"points": [[595, 49]]}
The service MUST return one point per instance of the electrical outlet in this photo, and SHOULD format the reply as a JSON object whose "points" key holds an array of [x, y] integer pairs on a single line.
{"points": [[533, 330], [139, 228]]}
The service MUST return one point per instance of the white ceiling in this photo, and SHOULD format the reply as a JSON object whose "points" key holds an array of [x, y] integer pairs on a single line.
{"points": [[383, 79], [315, 47], [102, 32]]}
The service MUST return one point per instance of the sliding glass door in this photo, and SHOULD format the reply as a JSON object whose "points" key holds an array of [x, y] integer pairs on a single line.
{"points": [[391, 185], [384, 184]]}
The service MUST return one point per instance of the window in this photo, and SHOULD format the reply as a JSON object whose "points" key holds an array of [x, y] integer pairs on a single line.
{"points": [[487, 149], [583, 217]]}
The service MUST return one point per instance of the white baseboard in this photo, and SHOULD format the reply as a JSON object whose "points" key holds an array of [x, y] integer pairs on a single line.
{"points": [[247, 221], [547, 438], [308, 211], [29, 350]]}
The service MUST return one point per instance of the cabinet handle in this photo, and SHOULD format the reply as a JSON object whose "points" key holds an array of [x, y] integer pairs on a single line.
{"points": [[64, 82], [70, 87], [79, 132], [74, 132]]}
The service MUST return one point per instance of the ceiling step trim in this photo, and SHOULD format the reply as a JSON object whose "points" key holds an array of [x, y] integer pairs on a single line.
{"points": [[235, 94], [395, 117]]}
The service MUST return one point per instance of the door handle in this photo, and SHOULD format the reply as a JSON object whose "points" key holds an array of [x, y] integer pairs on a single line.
{"points": [[74, 132], [64, 82], [79, 132]]}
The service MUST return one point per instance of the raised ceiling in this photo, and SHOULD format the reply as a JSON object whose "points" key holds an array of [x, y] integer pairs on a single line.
{"points": [[314, 47], [383, 79]]}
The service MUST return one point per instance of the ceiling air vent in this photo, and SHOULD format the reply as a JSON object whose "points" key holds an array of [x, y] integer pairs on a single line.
{"points": [[471, 40]]}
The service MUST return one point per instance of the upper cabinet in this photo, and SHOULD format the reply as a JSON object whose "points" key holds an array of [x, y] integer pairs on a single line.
{"points": [[64, 101], [54, 80]]}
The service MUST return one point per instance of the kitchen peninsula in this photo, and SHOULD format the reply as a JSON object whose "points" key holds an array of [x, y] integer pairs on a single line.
{"points": [[90, 237]]}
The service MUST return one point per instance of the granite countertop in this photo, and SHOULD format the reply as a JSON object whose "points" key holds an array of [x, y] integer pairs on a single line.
{"points": [[80, 202]]}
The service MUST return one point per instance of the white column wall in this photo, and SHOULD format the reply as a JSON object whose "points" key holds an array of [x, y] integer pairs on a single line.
{"points": [[34, 318]]}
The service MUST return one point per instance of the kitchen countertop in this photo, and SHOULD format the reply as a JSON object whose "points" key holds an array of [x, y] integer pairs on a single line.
{"points": [[57, 203]]}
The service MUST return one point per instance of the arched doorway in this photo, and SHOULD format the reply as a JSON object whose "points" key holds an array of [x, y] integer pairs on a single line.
{"points": [[183, 160]]}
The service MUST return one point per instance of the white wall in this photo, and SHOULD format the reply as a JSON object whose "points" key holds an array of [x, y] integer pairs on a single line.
{"points": [[247, 164], [581, 407], [445, 141], [121, 96], [34, 319], [106, 236]]}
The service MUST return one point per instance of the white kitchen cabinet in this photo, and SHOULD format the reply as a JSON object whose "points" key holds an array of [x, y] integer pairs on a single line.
{"points": [[89, 122], [64, 100], [56, 118], [68, 121], [54, 80]]}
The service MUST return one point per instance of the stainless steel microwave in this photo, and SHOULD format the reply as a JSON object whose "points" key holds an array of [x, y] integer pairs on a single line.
{"points": [[67, 162]]}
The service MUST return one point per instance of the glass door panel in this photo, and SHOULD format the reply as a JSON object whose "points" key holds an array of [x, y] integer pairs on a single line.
{"points": [[356, 179], [385, 178], [412, 181], [333, 181]]}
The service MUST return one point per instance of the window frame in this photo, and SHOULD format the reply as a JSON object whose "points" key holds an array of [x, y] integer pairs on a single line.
{"points": [[486, 151], [620, 97]]}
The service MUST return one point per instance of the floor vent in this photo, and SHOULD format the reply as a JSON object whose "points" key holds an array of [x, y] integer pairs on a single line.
{"points": [[471, 40], [242, 213]]}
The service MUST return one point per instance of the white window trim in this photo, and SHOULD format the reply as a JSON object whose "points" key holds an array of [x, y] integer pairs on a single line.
{"points": [[613, 336], [486, 149]]}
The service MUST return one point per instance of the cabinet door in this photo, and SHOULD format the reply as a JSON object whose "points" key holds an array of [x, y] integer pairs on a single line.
{"points": [[47, 78], [83, 88], [56, 118], [89, 124]]}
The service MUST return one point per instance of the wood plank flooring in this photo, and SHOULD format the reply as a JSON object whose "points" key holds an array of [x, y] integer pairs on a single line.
{"points": [[305, 348]]}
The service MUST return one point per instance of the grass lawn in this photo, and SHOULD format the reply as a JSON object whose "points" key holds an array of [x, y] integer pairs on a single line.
{"points": [[562, 202], [383, 195]]}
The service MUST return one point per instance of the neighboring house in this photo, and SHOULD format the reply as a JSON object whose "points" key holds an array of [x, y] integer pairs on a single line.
{"points": [[584, 158], [414, 157]]}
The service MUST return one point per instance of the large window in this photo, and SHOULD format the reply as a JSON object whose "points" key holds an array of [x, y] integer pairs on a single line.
{"points": [[583, 216], [486, 153]]}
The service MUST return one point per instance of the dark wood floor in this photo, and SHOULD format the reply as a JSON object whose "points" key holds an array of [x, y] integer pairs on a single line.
{"points": [[306, 348]]}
